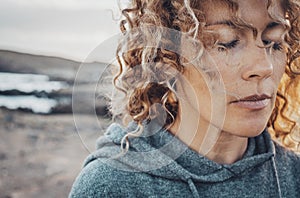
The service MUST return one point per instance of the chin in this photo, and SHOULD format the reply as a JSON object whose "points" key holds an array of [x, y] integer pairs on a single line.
{"points": [[250, 131], [250, 126], [245, 129], [254, 132]]}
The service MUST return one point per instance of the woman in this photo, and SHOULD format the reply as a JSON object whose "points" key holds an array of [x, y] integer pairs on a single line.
{"points": [[206, 85]]}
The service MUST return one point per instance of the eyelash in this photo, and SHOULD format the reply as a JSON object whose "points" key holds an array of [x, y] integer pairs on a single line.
{"points": [[232, 44], [226, 46], [274, 45]]}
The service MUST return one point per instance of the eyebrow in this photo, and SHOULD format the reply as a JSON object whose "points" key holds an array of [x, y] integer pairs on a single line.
{"points": [[272, 24], [231, 24], [224, 22]]}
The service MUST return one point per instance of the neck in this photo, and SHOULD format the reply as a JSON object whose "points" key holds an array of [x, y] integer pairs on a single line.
{"points": [[207, 140], [228, 149], [201, 135]]}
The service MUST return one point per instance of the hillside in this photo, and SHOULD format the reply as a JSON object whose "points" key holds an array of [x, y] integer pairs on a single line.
{"points": [[55, 67], [87, 77]]}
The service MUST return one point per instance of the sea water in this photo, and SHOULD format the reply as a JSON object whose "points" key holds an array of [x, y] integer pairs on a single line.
{"points": [[37, 105], [28, 84]]}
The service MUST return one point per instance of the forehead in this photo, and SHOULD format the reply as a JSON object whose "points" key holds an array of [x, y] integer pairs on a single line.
{"points": [[253, 12]]}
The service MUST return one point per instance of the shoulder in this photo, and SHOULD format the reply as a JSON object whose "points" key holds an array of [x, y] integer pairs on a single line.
{"points": [[288, 167], [286, 156], [99, 179]]}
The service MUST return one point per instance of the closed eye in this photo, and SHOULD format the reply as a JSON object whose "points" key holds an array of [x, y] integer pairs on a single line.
{"points": [[226, 46], [273, 44]]}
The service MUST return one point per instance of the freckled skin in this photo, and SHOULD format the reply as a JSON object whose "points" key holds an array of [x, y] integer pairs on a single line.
{"points": [[245, 68]]}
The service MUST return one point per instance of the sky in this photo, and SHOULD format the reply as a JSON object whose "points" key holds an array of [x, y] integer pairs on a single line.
{"points": [[64, 28]]}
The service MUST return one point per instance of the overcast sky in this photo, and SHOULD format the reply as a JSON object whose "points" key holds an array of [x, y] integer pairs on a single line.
{"points": [[65, 28]]}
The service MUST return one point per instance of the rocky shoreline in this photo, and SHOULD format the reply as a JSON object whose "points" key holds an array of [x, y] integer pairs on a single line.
{"points": [[41, 155]]}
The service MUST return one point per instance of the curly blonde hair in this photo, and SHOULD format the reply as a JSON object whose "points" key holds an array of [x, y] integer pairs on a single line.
{"points": [[146, 62]]}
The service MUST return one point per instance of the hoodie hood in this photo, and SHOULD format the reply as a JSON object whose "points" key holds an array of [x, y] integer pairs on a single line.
{"points": [[159, 153]]}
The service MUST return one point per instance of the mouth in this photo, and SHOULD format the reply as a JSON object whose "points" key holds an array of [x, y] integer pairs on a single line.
{"points": [[253, 102]]}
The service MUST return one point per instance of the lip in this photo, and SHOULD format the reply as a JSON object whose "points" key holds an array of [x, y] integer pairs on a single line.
{"points": [[253, 102]]}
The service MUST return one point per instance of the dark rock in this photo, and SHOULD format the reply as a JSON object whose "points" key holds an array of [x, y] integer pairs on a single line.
{"points": [[3, 156], [33, 138]]}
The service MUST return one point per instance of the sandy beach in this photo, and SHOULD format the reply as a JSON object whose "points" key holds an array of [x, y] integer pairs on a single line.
{"points": [[41, 155]]}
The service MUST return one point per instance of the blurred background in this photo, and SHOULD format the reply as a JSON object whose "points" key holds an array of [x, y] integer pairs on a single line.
{"points": [[43, 45]]}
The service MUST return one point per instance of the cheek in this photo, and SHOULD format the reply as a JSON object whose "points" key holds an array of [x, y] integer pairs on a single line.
{"points": [[279, 63], [227, 73], [227, 65]]}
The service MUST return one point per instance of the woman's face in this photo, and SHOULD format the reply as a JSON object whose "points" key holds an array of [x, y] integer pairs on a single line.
{"points": [[246, 69]]}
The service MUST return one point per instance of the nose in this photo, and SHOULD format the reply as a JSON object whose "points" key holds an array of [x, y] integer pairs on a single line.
{"points": [[258, 64]]}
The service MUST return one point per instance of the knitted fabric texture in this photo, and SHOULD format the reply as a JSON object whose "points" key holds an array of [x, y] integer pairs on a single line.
{"points": [[160, 165]]}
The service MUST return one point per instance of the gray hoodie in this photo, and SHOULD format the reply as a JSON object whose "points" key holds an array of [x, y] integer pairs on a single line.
{"points": [[159, 165]]}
